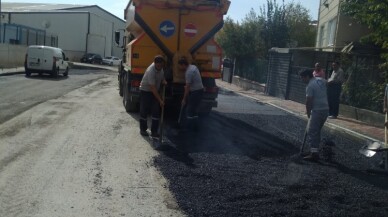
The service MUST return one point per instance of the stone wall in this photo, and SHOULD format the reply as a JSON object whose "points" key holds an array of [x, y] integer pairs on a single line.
{"points": [[12, 56]]}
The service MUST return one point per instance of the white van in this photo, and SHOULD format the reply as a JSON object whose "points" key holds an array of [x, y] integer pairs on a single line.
{"points": [[45, 59]]}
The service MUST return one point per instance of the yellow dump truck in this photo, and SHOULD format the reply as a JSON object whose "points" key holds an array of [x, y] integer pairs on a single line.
{"points": [[173, 29]]}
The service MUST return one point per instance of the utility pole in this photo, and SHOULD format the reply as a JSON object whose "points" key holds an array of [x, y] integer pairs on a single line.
{"points": [[1, 32]]}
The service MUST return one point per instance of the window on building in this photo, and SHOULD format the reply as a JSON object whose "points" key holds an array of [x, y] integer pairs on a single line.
{"points": [[321, 36], [331, 27]]}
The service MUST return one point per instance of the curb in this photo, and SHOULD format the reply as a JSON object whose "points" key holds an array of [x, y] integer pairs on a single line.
{"points": [[11, 73]]}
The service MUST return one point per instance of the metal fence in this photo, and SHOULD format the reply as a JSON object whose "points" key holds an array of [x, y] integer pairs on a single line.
{"points": [[23, 35], [364, 87], [252, 69]]}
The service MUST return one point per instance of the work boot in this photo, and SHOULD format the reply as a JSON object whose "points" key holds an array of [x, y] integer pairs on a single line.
{"points": [[314, 157]]}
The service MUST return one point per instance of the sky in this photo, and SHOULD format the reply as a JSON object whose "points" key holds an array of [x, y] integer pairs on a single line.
{"points": [[237, 10]]}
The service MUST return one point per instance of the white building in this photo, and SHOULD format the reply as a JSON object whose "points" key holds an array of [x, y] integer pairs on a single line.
{"points": [[80, 29], [336, 30]]}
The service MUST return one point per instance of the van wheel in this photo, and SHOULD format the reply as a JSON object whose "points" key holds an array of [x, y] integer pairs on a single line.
{"points": [[28, 73], [66, 72], [55, 73]]}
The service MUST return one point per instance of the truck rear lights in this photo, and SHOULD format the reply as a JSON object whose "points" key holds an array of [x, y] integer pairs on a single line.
{"points": [[137, 71], [135, 83]]}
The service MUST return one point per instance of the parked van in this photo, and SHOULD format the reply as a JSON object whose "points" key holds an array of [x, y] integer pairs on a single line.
{"points": [[45, 59]]}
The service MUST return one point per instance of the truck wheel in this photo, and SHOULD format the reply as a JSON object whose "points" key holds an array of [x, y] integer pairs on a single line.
{"points": [[66, 72], [129, 105], [121, 85], [120, 79]]}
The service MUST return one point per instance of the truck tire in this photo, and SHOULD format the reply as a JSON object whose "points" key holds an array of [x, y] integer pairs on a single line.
{"points": [[129, 105], [120, 81]]}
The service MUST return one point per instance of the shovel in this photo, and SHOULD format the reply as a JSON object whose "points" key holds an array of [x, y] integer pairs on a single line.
{"points": [[180, 115], [304, 138], [371, 149], [158, 143]]}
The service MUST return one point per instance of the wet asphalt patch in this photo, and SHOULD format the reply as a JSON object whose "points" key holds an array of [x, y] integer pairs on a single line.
{"points": [[246, 163]]}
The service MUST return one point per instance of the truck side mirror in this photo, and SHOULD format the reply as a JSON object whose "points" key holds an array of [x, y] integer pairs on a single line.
{"points": [[117, 37]]}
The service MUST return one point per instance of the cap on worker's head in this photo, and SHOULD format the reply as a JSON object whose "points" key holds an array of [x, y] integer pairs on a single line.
{"points": [[158, 59], [183, 61]]}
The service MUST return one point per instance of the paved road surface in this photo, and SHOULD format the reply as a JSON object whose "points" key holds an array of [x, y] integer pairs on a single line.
{"points": [[19, 93], [79, 155]]}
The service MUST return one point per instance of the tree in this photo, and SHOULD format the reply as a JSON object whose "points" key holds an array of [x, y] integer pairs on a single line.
{"points": [[277, 25], [301, 32], [275, 32], [372, 13], [229, 38], [242, 40]]}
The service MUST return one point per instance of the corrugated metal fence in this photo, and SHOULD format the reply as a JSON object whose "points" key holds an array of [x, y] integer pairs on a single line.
{"points": [[364, 78]]}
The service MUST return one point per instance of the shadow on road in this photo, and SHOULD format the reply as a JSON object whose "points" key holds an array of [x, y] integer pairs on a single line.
{"points": [[223, 135], [48, 77]]}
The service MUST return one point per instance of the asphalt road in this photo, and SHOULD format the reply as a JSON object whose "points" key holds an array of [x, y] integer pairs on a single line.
{"points": [[244, 161], [76, 152], [19, 93]]}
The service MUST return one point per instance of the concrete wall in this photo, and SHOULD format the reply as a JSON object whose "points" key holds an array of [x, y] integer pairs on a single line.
{"points": [[12, 55], [366, 116], [248, 84]]}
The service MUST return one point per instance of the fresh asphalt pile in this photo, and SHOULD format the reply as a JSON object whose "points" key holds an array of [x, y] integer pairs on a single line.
{"points": [[244, 162]]}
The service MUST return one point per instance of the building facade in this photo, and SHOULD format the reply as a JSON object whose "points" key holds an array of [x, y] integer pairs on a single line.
{"points": [[336, 30], [80, 29]]}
